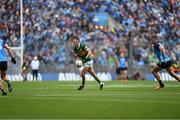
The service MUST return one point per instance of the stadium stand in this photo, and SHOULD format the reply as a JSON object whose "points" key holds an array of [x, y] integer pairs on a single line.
{"points": [[107, 26]]}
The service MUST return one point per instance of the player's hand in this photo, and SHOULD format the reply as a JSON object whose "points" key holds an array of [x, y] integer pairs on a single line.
{"points": [[13, 60]]}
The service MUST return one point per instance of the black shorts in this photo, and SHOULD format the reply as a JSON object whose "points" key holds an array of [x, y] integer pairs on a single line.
{"points": [[118, 71], [3, 65], [165, 65]]}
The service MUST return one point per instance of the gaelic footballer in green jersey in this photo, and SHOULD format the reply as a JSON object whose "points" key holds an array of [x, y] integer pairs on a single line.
{"points": [[83, 53]]}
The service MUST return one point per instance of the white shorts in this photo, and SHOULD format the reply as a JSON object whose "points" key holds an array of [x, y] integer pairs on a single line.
{"points": [[87, 64]]}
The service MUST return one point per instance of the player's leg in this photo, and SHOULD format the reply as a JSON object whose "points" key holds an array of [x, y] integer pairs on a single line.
{"points": [[2, 89], [124, 75], [36, 74], [33, 74], [5, 78], [1, 84], [22, 73], [170, 71], [83, 72], [155, 71], [92, 72], [118, 72], [25, 74]]}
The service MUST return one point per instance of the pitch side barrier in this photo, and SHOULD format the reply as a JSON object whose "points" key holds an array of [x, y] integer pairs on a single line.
{"points": [[163, 75], [76, 77], [61, 77]]}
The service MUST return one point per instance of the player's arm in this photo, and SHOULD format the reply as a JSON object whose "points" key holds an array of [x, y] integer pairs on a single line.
{"points": [[89, 53], [126, 62], [75, 55], [116, 62], [163, 51], [7, 30], [10, 53]]}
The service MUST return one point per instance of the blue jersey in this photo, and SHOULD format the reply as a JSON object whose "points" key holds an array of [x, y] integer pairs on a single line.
{"points": [[3, 56], [161, 57], [122, 62]]}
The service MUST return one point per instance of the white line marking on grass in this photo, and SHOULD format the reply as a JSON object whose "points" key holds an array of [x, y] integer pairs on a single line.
{"points": [[106, 86]]}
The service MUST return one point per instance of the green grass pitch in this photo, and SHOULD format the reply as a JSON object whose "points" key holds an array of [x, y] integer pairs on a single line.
{"points": [[118, 100]]}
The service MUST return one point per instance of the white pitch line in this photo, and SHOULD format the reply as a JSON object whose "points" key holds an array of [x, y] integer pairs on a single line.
{"points": [[107, 86]]}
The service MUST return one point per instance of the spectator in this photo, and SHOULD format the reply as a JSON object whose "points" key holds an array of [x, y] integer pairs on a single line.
{"points": [[49, 24], [121, 66], [35, 68]]}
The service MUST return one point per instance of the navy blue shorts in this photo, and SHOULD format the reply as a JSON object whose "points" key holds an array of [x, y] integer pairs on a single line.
{"points": [[3, 65], [118, 70], [165, 65]]}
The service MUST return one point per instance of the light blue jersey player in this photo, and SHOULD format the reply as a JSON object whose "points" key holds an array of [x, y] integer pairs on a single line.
{"points": [[3, 62], [121, 67], [3, 56], [161, 53], [164, 62]]}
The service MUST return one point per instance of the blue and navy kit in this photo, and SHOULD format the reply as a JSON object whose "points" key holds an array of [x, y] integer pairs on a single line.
{"points": [[161, 57], [3, 56], [122, 62], [164, 59]]}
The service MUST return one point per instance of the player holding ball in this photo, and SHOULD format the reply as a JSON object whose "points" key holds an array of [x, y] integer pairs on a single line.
{"points": [[84, 54]]}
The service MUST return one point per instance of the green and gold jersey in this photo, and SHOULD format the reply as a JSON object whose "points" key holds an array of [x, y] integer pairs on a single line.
{"points": [[82, 52]]}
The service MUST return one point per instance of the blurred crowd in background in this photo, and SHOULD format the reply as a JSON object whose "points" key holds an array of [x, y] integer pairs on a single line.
{"points": [[10, 14], [129, 24]]}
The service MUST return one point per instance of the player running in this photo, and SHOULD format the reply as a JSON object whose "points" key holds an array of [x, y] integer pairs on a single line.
{"points": [[83, 53], [3, 62], [164, 62]]}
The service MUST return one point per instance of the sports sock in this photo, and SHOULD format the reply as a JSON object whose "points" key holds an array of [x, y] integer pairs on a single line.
{"points": [[160, 82], [8, 82], [100, 82], [2, 90]]}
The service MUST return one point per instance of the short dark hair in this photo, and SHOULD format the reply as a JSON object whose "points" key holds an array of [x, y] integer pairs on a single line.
{"points": [[74, 37]]}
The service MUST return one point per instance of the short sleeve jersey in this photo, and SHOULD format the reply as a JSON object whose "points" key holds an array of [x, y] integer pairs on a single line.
{"points": [[161, 57], [81, 49], [3, 56]]}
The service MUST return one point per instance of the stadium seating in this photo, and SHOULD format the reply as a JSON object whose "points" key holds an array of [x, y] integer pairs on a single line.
{"points": [[49, 24]]}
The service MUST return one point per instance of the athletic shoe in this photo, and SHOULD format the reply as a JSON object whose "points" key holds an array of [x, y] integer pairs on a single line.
{"points": [[9, 88], [80, 87], [101, 85], [4, 94], [160, 86]]}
